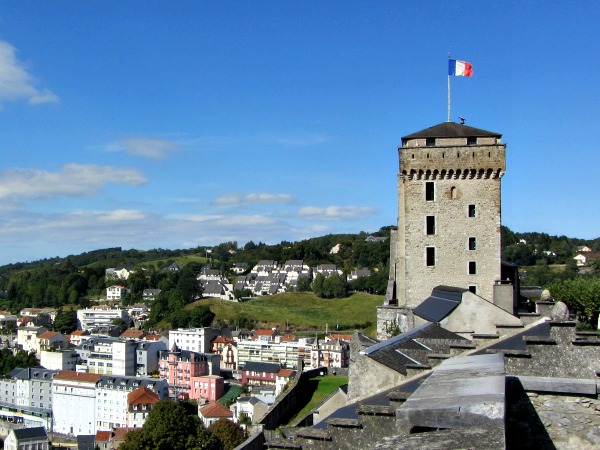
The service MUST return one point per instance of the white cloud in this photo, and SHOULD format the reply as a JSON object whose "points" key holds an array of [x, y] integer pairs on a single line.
{"points": [[335, 212], [154, 148], [262, 198], [71, 180], [16, 82]]}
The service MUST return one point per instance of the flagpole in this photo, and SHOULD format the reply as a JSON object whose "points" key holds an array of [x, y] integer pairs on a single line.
{"points": [[448, 88]]}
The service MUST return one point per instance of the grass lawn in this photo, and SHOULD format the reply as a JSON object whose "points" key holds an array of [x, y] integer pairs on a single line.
{"points": [[301, 311], [325, 386]]}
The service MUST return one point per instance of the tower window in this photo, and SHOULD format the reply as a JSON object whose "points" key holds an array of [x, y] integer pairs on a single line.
{"points": [[472, 243], [430, 142], [472, 268], [430, 225], [473, 288], [471, 210], [429, 191], [472, 140], [430, 256]]}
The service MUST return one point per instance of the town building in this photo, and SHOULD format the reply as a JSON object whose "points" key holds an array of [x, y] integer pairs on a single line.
{"points": [[147, 356], [212, 412], [139, 404], [206, 388], [112, 398], [74, 402], [267, 348], [100, 317], [27, 439], [260, 374], [179, 367], [110, 356], [27, 337], [193, 339], [59, 359], [116, 292]]}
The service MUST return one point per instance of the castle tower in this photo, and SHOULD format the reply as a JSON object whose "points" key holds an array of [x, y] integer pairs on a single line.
{"points": [[448, 213]]}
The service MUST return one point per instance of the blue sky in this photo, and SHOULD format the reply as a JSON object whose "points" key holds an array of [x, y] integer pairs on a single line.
{"points": [[176, 124]]}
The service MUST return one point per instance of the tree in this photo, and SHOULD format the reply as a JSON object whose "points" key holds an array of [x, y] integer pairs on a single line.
{"points": [[317, 285], [230, 434], [120, 323], [65, 321], [581, 295], [172, 426]]}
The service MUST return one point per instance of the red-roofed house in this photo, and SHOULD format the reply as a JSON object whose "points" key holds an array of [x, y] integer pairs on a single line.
{"points": [[77, 336], [265, 335], [51, 340], [212, 412], [283, 377], [139, 403], [111, 440], [133, 334]]}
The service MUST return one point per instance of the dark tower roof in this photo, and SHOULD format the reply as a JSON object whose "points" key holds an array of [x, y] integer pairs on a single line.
{"points": [[450, 130]]}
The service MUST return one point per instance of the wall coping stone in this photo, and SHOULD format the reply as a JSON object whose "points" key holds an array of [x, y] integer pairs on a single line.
{"points": [[559, 385]]}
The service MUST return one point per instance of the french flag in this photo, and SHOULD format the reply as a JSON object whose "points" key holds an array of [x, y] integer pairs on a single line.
{"points": [[459, 68]]}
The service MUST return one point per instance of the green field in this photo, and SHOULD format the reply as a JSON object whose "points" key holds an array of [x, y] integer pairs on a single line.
{"points": [[301, 311]]}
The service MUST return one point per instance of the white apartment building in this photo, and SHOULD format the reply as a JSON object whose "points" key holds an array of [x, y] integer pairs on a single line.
{"points": [[115, 292], [193, 339], [74, 402], [109, 356], [284, 353], [59, 359], [100, 317], [111, 398]]}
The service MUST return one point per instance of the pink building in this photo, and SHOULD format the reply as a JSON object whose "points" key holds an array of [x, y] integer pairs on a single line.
{"points": [[209, 388], [178, 367]]}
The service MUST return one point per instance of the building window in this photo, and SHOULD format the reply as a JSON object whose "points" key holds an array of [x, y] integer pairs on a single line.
{"points": [[471, 210], [472, 140], [430, 225], [472, 268], [472, 243], [430, 256], [429, 191], [430, 142], [473, 288]]}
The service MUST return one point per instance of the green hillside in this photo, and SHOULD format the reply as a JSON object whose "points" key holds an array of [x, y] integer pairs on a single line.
{"points": [[301, 311]]}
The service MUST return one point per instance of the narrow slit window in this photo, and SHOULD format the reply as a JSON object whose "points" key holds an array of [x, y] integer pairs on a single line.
{"points": [[429, 191], [430, 225], [472, 243], [472, 211], [430, 256], [472, 268]]}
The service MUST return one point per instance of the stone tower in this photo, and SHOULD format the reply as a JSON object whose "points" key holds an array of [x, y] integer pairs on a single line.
{"points": [[448, 213]]}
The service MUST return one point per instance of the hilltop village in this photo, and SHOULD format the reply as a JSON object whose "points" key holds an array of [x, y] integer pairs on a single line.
{"points": [[462, 357]]}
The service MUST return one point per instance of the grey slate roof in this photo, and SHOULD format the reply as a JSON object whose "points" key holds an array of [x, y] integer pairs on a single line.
{"points": [[450, 130], [411, 347], [128, 383], [261, 367], [31, 433], [443, 300]]}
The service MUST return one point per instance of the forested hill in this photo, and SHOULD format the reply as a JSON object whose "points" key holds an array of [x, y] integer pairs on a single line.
{"points": [[75, 279]]}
